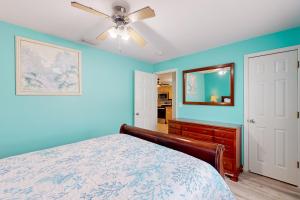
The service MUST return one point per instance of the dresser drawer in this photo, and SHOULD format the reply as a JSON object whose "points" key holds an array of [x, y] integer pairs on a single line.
{"points": [[198, 136], [228, 148], [224, 141], [229, 136], [174, 125], [228, 164], [225, 134], [228, 154], [200, 130], [174, 131], [229, 151]]}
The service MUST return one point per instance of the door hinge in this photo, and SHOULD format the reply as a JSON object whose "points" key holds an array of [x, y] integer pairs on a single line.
{"points": [[298, 63], [298, 165], [298, 115]]}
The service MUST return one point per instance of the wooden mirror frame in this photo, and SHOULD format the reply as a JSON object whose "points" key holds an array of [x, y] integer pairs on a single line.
{"points": [[230, 65]]}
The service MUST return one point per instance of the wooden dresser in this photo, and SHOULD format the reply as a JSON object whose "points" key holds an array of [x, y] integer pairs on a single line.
{"points": [[227, 134]]}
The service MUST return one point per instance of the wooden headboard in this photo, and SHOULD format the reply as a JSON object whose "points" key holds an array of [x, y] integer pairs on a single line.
{"points": [[211, 153]]}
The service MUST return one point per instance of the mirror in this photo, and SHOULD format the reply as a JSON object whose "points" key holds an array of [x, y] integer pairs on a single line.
{"points": [[212, 85]]}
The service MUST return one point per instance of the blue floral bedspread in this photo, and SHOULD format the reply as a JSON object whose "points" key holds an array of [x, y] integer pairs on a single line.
{"points": [[111, 167]]}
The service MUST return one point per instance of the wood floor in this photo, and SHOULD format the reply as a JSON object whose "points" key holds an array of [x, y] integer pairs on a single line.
{"points": [[255, 187], [163, 128]]}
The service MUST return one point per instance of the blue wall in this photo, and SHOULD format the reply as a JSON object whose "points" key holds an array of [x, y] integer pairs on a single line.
{"points": [[217, 85], [29, 123], [226, 54]]}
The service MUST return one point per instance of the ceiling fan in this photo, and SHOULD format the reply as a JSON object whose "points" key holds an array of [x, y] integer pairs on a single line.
{"points": [[122, 20]]}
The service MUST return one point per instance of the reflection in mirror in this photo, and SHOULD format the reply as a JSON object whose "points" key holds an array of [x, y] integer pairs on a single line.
{"points": [[209, 86]]}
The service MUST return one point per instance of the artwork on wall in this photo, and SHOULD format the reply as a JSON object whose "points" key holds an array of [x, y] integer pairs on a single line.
{"points": [[191, 84], [46, 69]]}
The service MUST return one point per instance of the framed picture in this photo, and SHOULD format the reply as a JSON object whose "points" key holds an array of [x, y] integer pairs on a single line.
{"points": [[46, 69]]}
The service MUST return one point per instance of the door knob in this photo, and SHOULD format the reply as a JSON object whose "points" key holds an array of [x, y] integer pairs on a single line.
{"points": [[251, 121], [137, 114]]}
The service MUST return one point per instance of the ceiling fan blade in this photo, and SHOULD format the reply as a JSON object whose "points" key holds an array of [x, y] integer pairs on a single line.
{"points": [[104, 35], [141, 14], [89, 9], [136, 37]]}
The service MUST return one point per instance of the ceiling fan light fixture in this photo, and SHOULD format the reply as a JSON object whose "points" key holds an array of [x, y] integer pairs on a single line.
{"points": [[119, 32], [113, 32], [222, 72], [124, 34]]}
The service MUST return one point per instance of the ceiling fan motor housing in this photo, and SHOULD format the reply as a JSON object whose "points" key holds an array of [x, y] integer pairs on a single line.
{"points": [[120, 17]]}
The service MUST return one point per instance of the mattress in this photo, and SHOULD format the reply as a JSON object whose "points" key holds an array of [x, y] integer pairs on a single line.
{"points": [[112, 167]]}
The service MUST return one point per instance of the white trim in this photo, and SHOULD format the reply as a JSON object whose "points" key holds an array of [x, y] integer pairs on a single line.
{"points": [[246, 91], [298, 119], [176, 95], [273, 51], [246, 136]]}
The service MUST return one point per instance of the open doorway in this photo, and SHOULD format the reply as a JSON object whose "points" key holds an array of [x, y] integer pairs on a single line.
{"points": [[166, 99]]}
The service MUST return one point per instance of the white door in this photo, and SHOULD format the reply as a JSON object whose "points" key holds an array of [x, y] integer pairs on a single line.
{"points": [[145, 98], [273, 96]]}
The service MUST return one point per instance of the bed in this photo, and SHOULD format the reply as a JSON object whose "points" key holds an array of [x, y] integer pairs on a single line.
{"points": [[136, 164]]}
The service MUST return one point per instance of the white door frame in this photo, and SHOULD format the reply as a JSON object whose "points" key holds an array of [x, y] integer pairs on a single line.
{"points": [[176, 95], [246, 102]]}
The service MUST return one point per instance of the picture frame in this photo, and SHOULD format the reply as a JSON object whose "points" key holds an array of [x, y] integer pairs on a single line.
{"points": [[214, 99], [44, 69]]}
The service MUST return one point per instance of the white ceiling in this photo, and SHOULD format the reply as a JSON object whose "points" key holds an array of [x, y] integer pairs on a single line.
{"points": [[180, 27]]}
